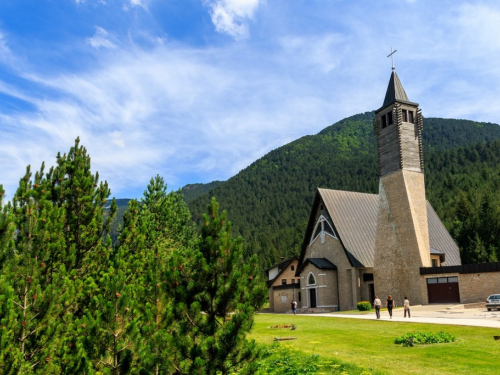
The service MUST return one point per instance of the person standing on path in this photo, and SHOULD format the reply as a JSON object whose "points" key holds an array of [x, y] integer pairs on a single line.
{"points": [[294, 307], [390, 304], [377, 303], [406, 305]]}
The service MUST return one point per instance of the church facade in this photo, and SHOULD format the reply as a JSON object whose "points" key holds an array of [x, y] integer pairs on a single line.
{"points": [[358, 245]]}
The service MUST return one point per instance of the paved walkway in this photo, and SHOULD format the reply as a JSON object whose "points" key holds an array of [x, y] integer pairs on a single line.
{"points": [[437, 314]]}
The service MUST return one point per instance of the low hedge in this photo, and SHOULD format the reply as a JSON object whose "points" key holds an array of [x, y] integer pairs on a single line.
{"points": [[364, 306]]}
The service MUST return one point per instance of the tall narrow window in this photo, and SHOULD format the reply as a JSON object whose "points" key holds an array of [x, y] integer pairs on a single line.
{"points": [[410, 113], [389, 118], [311, 280], [384, 122], [405, 115]]}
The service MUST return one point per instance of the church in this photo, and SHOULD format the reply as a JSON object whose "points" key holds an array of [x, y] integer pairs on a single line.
{"points": [[359, 245]]}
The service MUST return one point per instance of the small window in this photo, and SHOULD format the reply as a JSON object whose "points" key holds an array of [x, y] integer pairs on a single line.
{"points": [[283, 281], [432, 281], [442, 280], [293, 281], [384, 122], [311, 279], [410, 113], [292, 268], [453, 279], [389, 118], [405, 115], [298, 281], [300, 297], [434, 262]]}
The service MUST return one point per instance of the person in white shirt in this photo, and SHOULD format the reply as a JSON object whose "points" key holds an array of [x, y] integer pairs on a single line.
{"points": [[377, 303], [406, 305]]}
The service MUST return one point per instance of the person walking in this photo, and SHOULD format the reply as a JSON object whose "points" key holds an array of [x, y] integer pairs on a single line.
{"points": [[294, 307], [390, 303], [377, 303], [406, 305]]}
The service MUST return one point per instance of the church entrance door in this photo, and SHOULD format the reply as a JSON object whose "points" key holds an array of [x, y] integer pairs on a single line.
{"points": [[312, 298]]}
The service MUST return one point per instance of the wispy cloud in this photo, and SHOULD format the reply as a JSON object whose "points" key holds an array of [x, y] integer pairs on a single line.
{"points": [[195, 111], [100, 39], [231, 16]]}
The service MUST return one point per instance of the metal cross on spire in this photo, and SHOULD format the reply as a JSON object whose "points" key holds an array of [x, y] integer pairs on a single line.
{"points": [[392, 57]]}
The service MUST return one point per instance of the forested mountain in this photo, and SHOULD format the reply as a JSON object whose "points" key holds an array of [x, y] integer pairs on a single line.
{"points": [[269, 202], [193, 191]]}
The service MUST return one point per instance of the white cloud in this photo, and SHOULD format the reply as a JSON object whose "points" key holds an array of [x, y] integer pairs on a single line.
{"points": [[232, 16], [100, 39]]}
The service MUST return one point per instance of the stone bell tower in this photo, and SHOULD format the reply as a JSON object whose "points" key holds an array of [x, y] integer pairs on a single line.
{"points": [[402, 238]]}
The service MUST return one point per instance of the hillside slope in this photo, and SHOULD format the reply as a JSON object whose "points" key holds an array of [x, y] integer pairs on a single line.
{"points": [[269, 201]]}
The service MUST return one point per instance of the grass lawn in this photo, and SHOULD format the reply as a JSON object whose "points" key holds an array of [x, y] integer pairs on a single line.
{"points": [[370, 344]]}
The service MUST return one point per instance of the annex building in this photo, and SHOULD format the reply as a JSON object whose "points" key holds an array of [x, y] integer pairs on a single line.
{"points": [[360, 245]]}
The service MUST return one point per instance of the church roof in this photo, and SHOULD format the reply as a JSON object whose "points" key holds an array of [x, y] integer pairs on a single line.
{"points": [[320, 263], [354, 217], [395, 92]]}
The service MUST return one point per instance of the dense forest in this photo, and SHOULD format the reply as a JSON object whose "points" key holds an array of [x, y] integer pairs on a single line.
{"points": [[270, 200]]}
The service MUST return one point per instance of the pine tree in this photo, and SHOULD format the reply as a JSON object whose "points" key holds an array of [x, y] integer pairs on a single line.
{"points": [[7, 230], [108, 331], [34, 283], [74, 188], [215, 296], [167, 225]]}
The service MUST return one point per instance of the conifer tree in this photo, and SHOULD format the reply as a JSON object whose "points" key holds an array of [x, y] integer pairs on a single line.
{"points": [[84, 198], [33, 281], [167, 226], [215, 296], [109, 329], [73, 187], [7, 230]]}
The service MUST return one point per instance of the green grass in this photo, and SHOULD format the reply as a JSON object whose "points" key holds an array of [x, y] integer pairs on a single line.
{"points": [[370, 344]]}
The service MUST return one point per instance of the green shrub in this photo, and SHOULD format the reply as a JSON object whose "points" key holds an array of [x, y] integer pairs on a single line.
{"points": [[283, 359], [364, 306], [422, 338]]}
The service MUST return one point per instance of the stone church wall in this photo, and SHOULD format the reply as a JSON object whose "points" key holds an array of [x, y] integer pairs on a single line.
{"points": [[333, 251], [325, 287]]}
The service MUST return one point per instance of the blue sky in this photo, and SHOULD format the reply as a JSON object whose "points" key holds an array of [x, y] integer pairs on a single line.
{"points": [[196, 90]]}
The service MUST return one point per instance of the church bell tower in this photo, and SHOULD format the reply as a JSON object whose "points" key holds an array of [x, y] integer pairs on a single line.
{"points": [[402, 238]]}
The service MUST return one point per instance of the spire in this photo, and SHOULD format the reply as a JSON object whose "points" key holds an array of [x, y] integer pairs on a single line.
{"points": [[395, 91]]}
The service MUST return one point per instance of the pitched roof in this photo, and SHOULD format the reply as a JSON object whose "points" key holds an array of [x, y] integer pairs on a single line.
{"points": [[354, 217], [282, 266], [395, 92], [321, 263]]}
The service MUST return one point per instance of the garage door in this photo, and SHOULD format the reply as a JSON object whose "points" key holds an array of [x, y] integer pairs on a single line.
{"points": [[443, 290]]}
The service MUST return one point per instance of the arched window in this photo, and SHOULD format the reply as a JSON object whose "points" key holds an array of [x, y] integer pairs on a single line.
{"points": [[311, 280], [322, 227]]}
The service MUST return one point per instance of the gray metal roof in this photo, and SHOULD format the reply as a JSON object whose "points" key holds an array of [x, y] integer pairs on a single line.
{"points": [[354, 217], [436, 251], [441, 239]]}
